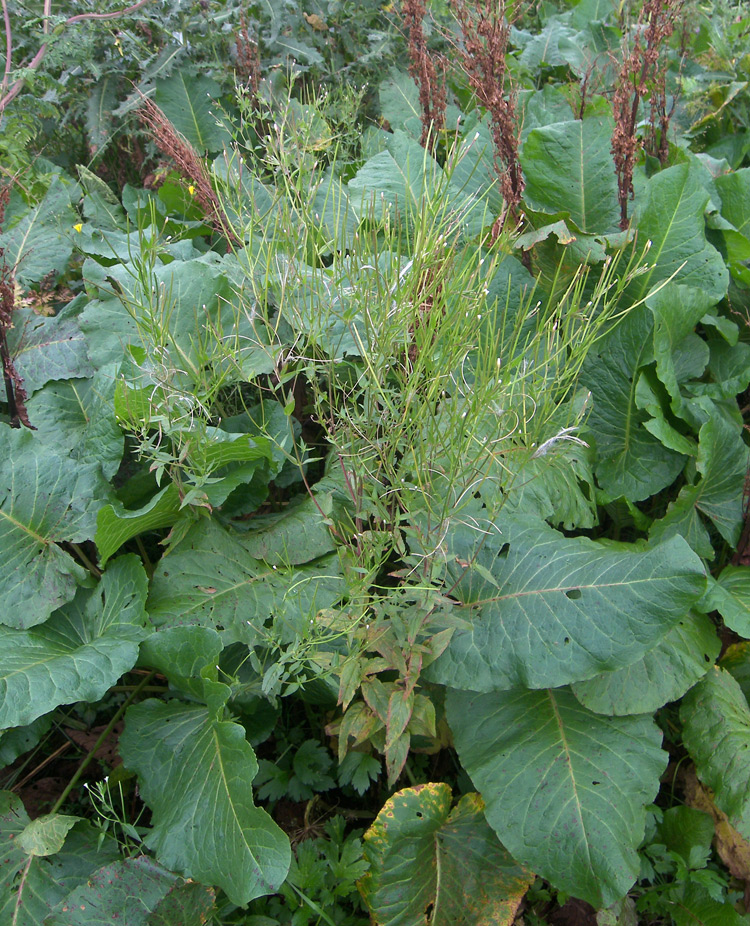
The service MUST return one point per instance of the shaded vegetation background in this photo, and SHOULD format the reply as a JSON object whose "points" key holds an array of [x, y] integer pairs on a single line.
{"points": [[374, 501]]}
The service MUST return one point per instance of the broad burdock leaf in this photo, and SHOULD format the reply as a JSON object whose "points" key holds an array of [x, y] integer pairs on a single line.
{"points": [[77, 417], [722, 464], [664, 674], [17, 741], [80, 652], [565, 788], [101, 102], [398, 96], [473, 171], [46, 348], [557, 45], [116, 525], [569, 169], [297, 535], [211, 578], [137, 892], [173, 316], [679, 353], [433, 864], [402, 179], [670, 216], [631, 461], [716, 733], [196, 773], [101, 205], [45, 499], [32, 884], [736, 660], [189, 658], [546, 609], [40, 243], [729, 594], [191, 105], [734, 190]]}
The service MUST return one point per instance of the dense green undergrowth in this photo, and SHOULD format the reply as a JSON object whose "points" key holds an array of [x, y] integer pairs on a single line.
{"points": [[373, 497]]}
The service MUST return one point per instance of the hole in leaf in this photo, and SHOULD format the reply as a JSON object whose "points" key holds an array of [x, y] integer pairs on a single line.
{"points": [[502, 553], [596, 782], [573, 593], [566, 640], [419, 814]]}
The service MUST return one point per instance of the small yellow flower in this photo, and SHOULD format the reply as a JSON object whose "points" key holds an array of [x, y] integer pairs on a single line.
{"points": [[191, 189], [78, 226]]}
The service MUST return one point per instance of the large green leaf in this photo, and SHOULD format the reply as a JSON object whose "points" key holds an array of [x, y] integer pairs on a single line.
{"points": [[399, 102], [79, 652], [136, 892], [170, 313], [189, 658], [402, 179], [32, 884], [433, 866], [191, 105], [40, 243], [556, 486], [565, 789], [557, 45], [44, 499], [47, 348], [77, 417], [196, 774], [722, 464], [297, 535], [677, 310], [546, 609], [664, 674], [730, 596], [734, 190], [473, 172], [670, 216], [395, 181], [211, 578], [716, 733], [568, 168], [631, 461], [102, 100], [116, 525], [46, 835]]}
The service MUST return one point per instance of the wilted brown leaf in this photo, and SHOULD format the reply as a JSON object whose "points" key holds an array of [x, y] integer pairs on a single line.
{"points": [[733, 850]]}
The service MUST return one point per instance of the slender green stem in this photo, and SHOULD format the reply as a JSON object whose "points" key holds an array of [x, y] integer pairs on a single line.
{"points": [[147, 564], [313, 906], [105, 733], [94, 570]]}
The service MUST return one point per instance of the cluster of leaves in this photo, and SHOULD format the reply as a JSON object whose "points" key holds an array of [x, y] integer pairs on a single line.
{"points": [[328, 476]]}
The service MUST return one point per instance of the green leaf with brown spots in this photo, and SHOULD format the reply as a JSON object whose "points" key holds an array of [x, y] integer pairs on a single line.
{"points": [[433, 866]]}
